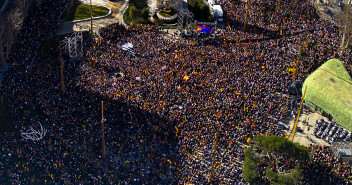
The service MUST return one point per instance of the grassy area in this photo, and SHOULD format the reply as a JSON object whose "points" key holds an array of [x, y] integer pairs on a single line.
{"points": [[200, 10], [330, 88], [137, 12], [82, 11]]}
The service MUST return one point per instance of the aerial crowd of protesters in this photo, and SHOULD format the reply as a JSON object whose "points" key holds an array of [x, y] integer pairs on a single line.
{"points": [[166, 100]]}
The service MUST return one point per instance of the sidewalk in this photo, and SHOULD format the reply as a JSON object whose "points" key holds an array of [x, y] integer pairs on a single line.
{"points": [[115, 17], [307, 129]]}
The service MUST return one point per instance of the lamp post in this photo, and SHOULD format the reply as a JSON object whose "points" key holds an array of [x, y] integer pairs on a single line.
{"points": [[91, 20], [103, 130], [61, 69]]}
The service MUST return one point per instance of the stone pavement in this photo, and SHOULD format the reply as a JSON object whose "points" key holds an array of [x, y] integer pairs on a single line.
{"points": [[116, 16], [306, 122]]}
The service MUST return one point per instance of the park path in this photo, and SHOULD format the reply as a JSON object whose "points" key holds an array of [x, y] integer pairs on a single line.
{"points": [[117, 9]]}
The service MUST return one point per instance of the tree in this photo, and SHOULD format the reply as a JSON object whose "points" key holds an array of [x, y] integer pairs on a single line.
{"points": [[132, 11], [10, 24], [250, 172], [344, 21], [24, 6], [145, 13], [340, 15], [294, 177], [267, 155], [13, 25], [2, 38], [6, 37]]}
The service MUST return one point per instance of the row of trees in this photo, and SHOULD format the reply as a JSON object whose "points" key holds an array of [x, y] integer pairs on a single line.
{"points": [[11, 22]]}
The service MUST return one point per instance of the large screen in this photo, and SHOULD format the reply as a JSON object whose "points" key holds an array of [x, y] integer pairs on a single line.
{"points": [[205, 28]]}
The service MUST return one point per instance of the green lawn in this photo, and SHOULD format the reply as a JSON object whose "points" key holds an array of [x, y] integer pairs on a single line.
{"points": [[330, 88], [82, 11]]}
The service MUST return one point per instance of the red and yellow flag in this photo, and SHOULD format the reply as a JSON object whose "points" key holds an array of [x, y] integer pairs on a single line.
{"points": [[185, 78]]}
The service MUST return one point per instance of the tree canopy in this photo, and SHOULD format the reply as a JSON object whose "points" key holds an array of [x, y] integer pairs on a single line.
{"points": [[276, 157]]}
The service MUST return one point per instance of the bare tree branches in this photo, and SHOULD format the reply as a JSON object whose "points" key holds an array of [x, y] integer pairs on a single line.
{"points": [[10, 24], [6, 38], [2, 38], [339, 14], [24, 6], [344, 20]]}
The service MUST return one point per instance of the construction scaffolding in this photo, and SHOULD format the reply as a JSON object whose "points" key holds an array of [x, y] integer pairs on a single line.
{"points": [[184, 17], [343, 151], [74, 45]]}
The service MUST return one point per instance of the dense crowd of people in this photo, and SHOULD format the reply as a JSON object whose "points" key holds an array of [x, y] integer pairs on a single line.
{"points": [[167, 104]]}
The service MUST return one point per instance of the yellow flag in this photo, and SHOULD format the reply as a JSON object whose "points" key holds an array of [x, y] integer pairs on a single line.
{"points": [[248, 140], [291, 70]]}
